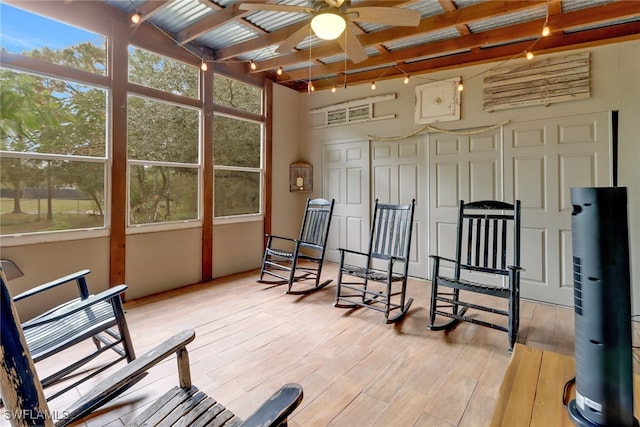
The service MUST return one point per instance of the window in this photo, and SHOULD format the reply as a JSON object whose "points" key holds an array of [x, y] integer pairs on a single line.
{"points": [[237, 148], [159, 72], [235, 94], [163, 142], [53, 154], [53, 164]]}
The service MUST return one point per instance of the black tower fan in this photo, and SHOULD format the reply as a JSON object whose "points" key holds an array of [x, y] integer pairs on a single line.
{"points": [[601, 274]]}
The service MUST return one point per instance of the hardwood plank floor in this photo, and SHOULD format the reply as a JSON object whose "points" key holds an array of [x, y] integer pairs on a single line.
{"points": [[355, 370]]}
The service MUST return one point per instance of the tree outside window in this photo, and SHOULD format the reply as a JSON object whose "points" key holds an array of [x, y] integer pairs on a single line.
{"points": [[237, 149]]}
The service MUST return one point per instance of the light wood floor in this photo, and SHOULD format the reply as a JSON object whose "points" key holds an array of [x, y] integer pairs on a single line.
{"points": [[354, 369]]}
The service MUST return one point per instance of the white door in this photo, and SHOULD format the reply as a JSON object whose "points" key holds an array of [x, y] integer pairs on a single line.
{"points": [[536, 162], [543, 160], [346, 179], [398, 176], [460, 168]]}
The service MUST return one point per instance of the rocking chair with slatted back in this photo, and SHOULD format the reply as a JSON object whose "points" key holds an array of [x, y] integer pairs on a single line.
{"points": [[99, 318], [25, 404], [294, 260], [377, 279], [487, 262]]}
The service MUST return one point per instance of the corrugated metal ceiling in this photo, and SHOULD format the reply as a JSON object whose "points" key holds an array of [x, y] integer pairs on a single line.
{"points": [[263, 31]]}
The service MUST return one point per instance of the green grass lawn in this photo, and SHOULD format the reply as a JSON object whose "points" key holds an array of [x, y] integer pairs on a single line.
{"points": [[66, 215]]}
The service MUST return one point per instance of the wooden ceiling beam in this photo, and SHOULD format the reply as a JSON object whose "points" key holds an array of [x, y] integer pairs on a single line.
{"points": [[530, 29], [150, 8], [429, 24], [551, 44], [258, 43], [210, 23]]}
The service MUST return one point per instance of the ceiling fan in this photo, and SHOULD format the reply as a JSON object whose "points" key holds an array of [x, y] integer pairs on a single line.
{"points": [[332, 18]]}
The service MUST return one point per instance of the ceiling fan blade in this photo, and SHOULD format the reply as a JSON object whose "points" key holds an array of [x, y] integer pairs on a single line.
{"points": [[295, 38], [386, 16], [334, 3], [274, 7], [352, 46]]}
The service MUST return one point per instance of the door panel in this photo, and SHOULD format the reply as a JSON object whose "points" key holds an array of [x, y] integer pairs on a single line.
{"points": [[460, 168], [346, 179], [544, 160], [538, 163], [399, 176]]}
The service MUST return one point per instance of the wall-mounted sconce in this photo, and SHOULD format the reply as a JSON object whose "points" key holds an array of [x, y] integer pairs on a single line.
{"points": [[300, 177]]}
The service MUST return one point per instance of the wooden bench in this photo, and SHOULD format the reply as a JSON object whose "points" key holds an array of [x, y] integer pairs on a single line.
{"points": [[23, 395]]}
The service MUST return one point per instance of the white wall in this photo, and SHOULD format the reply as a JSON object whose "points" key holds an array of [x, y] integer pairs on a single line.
{"points": [[614, 86], [160, 261]]}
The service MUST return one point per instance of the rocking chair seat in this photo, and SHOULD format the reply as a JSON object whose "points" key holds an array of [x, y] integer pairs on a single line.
{"points": [[370, 274], [467, 285], [281, 253]]}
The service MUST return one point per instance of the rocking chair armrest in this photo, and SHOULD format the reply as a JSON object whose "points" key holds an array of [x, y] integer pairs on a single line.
{"points": [[516, 268], [442, 258], [288, 239], [434, 257], [350, 251], [82, 285], [276, 410], [74, 306], [393, 258], [121, 379]]}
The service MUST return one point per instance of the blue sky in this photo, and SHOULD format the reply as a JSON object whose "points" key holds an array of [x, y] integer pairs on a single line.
{"points": [[22, 31]]}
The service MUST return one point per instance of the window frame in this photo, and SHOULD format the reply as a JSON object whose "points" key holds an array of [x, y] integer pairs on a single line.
{"points": [[261, 119], [44, 69], [179, 100]]}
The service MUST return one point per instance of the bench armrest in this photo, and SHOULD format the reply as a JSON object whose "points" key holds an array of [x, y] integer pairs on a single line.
{"points": [[277, 409], [75, 306], [78, 276], [124, 377]]}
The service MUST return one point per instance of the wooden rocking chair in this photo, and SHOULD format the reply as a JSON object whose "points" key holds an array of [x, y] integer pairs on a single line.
{"points": [[183, 405], [292, 260], [99, 318], [487, 250], [386, 263]]}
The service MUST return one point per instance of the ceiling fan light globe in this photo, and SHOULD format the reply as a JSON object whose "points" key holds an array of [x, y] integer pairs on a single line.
{"points": [[328, 25]]}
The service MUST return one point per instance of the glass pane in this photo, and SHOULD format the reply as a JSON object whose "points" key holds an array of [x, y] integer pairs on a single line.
{"points": [[49, 195], [236, 142], [160, 72], [233, 93], [51, 116], [162, 194], [162, 132], [236, 193], [33, 35]]}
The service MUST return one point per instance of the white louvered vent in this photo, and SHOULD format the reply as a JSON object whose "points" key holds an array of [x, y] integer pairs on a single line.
{"points": [[354, 111]]}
